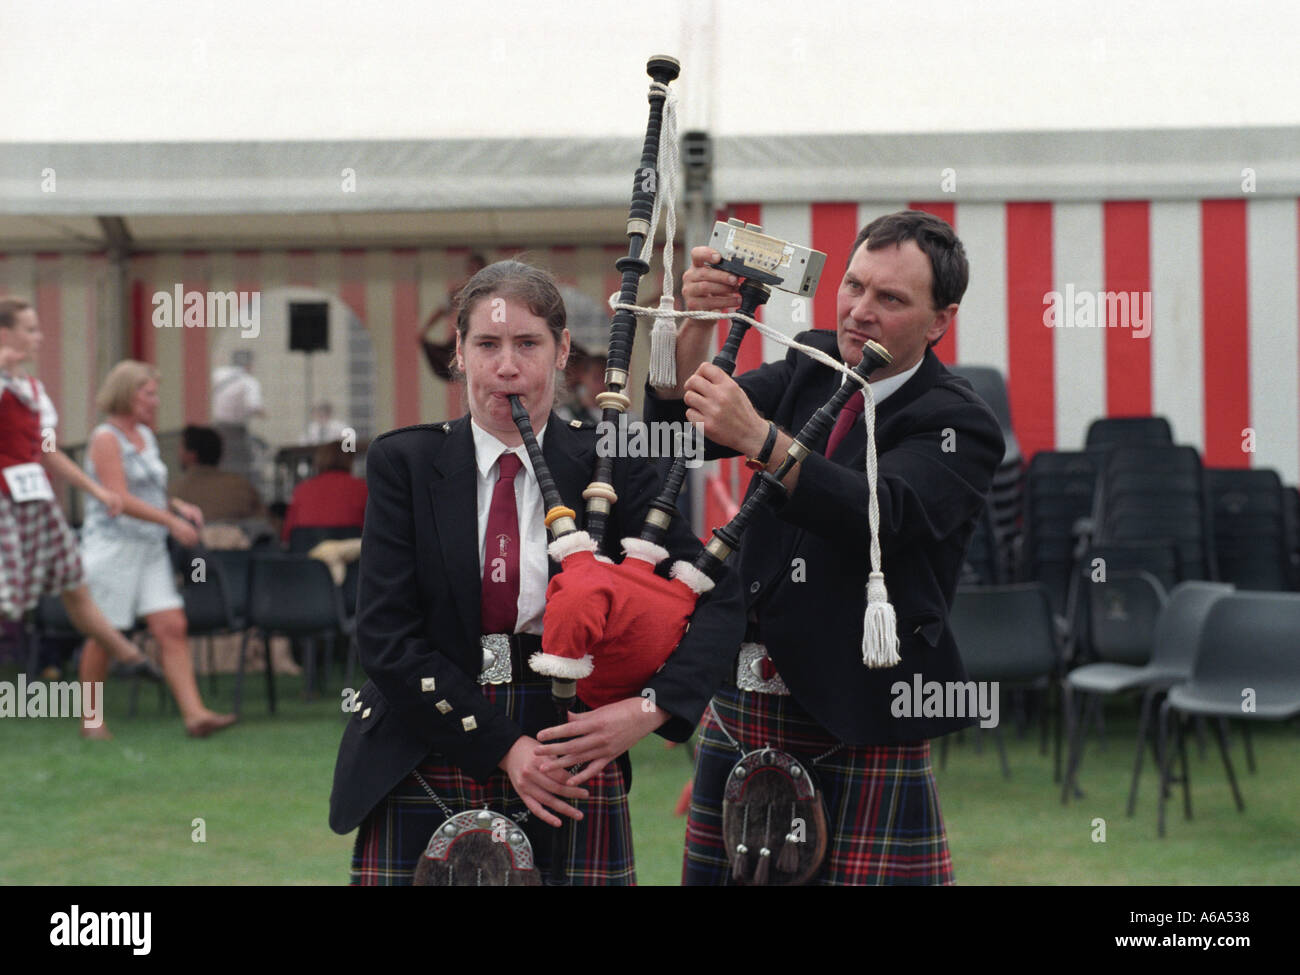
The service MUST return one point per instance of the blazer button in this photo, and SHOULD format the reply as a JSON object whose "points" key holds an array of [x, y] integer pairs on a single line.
{"points": [[755, 586]]}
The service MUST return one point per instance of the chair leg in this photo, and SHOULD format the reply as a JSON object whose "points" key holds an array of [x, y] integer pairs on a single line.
{"points": [[1077, 728], [331, 645], [212, 664], [1067, 718], [1002, 751], [1044, 706], [1250, 748], [239, 671], [1058, 729], [270, 670], [1162, 735], [1221, 726], [309, 653], [1200, 738], [1187, 778], [1144, 731]]}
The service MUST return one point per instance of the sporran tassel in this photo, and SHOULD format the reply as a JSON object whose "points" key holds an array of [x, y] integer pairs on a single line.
{"points": [[738, 864], [787, 861]]}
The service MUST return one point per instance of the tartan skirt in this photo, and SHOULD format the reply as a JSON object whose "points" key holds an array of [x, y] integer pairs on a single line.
{"points": [[38, 555], [882, 809], [393, 837]]}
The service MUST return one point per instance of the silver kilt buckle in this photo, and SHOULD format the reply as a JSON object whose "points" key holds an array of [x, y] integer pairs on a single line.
{"points": [[756, 672], [496, 659]]}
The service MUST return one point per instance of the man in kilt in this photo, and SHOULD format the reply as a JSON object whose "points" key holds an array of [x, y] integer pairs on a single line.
{"points": [[799, 683]]}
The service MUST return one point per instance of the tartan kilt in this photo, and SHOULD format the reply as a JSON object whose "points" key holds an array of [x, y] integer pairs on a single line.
{"points": [[395, 834], [882, 809], [38, 555]]}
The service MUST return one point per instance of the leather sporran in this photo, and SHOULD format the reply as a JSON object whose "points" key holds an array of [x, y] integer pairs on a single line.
{"points": [[479, 848], [773, 820]]}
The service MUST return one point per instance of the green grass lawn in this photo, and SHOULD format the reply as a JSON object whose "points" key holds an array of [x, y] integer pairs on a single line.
{"points": [[123, 812]]}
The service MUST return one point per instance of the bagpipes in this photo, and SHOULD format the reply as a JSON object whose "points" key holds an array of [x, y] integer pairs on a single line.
{"points": [[610, 626]]}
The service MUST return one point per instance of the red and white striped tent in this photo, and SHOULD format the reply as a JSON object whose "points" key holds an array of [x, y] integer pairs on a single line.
{"points": [[1209, 228]]}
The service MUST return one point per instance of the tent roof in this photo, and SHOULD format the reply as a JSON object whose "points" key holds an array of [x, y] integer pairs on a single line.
{"points": [[466, 191]]}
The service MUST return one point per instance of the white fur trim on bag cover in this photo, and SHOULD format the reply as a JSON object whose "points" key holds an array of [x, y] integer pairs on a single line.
{"points": [[553, 665], [639, 548], [562, 548], [698, 582]]}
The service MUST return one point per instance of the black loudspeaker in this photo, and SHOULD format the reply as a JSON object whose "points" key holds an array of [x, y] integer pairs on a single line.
{"points": [[309, 326]]}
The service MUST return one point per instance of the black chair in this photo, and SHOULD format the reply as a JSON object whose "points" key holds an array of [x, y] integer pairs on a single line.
{"points": [[1059, 492], [1248, 644], [982, 566], [50, 622], [1250, 529], [305, 538], [1006, 634], [1124, 613], [209, 608], [1157, 493], [1129, 430], [991, 387], [294, 596], [1006, 494]]}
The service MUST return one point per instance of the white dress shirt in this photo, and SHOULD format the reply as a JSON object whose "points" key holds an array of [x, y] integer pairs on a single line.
{"points": [[884, 388], [534, 568], [236, 395]]}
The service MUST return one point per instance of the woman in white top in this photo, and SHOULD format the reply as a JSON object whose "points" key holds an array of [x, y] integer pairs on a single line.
{"points": [[126, 561]]}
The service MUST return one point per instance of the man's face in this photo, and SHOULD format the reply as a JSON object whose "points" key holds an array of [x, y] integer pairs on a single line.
{"points": [[507, 349], [885, 296]]}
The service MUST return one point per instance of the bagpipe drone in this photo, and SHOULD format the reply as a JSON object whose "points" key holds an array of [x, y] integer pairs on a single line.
{"points": [[609, 626]]}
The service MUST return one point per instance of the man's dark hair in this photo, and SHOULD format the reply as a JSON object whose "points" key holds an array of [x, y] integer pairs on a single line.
{"points": [[204, 443], [949, 270]]}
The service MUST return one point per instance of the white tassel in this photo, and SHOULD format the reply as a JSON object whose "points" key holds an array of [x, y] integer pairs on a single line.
{"points": [[879, 626], [663, 347]]}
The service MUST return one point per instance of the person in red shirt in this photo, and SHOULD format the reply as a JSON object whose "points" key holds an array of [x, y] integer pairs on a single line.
{"points": [[331, 499]]}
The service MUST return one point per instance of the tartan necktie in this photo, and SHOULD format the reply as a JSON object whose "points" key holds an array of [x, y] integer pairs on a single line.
{"points": [[500, 602], [848, 416]]}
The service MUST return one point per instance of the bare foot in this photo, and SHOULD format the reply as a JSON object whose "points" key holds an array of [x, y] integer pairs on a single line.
{"points": [[100, 733], [209, 723]]}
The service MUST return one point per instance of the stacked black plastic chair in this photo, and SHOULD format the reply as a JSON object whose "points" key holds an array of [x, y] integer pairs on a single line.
{"points": [[1250, 531], [1006, 496]]}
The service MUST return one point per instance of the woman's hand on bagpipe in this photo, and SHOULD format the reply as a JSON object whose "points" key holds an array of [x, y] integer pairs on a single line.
{"points": [[729, 418], [541, 790], [705, 288], [598, 737]]}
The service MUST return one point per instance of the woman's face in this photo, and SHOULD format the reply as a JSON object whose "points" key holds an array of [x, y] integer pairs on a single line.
{"points": [[507, 349], [25, 335], [144, 404]]}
